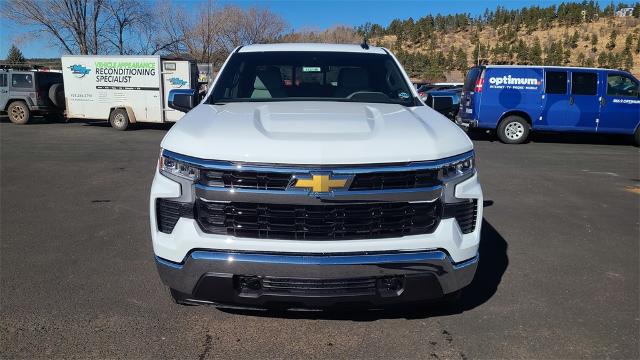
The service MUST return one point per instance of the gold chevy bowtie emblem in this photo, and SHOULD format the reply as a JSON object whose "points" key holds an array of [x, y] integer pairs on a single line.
{"points": [[320, 183]]}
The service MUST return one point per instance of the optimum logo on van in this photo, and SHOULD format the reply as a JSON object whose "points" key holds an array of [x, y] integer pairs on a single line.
{"points": [[508, 82]]}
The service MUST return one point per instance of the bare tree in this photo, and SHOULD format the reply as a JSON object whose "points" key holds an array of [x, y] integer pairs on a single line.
{"points": [[255, 25], [161, 33], [75, 24], [127, 18]]}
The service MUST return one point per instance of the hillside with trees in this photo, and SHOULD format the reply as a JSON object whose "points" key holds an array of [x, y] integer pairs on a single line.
{"points": [[434, 48]]}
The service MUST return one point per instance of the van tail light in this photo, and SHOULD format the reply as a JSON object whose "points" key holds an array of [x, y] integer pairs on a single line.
{"points": [[479, 84]]}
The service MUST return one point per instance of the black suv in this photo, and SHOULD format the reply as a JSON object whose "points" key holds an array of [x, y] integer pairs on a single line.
{"points": [[27, 93]]}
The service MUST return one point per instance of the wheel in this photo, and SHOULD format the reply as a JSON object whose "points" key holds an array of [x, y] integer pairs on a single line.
{"points": [[56, 95], [119, 119], [513, 130], [181, 298], [637, 136], [19, 113]]}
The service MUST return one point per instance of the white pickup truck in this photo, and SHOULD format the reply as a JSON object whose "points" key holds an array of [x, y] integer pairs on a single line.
{"points": [[310, 176]]}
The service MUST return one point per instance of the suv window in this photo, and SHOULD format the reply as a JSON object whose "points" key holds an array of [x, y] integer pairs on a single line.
{"points": [[556, 82], [3, 80], [311, 75], [584, 83], [620, 85], [470, 81], [22, 81]]}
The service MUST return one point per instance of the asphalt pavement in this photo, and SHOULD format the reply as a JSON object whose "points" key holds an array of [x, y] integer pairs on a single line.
{"points": [[558, 276]]}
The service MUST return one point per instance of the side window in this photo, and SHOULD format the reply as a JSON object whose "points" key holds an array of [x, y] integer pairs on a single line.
{"points": [[3, 80], [22, 81], [584, 83], [556, 82], [620, 85]]}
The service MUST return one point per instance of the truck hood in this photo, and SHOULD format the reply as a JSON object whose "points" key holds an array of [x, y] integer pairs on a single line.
{"points": [[315, 132]]}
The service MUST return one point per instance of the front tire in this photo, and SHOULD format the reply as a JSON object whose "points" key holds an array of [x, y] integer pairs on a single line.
{"points": [[636, 137], [513, 130], [19, 112], [119, 119]]}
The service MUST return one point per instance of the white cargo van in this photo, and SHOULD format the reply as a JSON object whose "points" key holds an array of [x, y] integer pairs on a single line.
{"points": [[125, 89]]}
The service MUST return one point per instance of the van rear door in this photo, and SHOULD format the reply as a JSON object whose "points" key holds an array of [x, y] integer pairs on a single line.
{"points": [[619, 104], [470, 100]]}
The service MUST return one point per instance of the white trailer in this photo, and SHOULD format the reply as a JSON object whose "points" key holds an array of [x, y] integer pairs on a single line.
{"points": [[125, 89]]}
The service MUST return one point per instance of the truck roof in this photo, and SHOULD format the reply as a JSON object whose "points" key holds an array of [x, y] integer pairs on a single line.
{"points": [[312, 47], [549, 67]]}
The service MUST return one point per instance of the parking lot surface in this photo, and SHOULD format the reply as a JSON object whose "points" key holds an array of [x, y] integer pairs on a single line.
{"points": [[558, 275]]}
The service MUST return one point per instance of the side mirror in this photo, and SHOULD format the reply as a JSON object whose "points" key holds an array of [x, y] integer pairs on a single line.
{"points": [[182, 99], [442, 104]]}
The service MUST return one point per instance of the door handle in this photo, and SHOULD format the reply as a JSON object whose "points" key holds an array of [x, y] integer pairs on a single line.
{"points": [[603, 102], [571, 100]]}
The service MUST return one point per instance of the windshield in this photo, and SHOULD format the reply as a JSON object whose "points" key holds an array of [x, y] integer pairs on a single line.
{"points": [[318, 76]]}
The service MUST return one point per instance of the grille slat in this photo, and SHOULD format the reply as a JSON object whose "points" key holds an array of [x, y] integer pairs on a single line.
{"points": [[168, 212], [466, 214], [313, 287], [318, 222], [279, 181]]}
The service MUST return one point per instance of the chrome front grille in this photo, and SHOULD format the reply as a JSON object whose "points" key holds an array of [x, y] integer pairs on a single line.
{"points": [[278, 181]]}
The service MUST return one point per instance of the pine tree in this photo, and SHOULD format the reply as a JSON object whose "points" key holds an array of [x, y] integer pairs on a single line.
{"points": [[602, 59], [628, 42], [15, 56], [535, 54], [636, 10], [638, 46], [627, 59], [581, 59], [594, 42], [612, 40]]}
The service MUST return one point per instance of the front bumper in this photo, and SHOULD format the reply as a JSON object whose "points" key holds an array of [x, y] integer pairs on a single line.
{"points": [[260, 280]]}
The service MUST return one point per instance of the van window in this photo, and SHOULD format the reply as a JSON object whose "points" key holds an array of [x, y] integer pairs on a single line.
{"points": [[556, 82], [620, 85], [470, 81], [21, 81], [584, 83], [3, 80]]}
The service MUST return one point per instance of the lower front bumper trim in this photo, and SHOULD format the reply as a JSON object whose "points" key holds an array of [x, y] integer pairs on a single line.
{"points": [[262, 280]]}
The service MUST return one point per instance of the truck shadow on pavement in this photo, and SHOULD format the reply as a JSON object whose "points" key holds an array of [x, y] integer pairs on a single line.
{"points": [[560, 138], [493, 264]]}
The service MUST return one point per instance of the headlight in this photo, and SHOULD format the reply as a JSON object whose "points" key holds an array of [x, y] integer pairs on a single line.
{"points": [[178, 168], [457, 168]]}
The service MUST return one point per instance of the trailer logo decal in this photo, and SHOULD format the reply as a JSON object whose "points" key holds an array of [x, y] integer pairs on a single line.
{"points": [[177, 82], [79, 70]]}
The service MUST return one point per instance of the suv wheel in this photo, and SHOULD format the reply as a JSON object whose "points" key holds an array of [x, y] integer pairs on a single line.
{"points": [[119, 119], [636, 137], [513, 130], [19, 113]]}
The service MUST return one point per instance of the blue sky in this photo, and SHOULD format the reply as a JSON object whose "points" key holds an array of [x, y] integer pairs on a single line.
{"points": [[306, 14]]}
